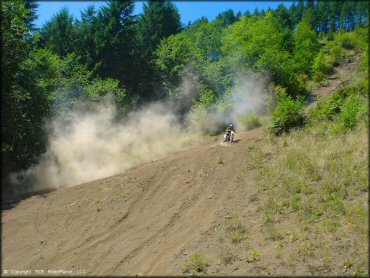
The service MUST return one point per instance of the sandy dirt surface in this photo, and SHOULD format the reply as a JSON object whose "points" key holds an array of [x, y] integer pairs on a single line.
{"points": [[138, 222]]}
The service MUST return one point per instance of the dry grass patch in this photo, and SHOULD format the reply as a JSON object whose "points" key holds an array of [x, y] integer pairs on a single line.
{"points": [[228, 255], [316, 181]]}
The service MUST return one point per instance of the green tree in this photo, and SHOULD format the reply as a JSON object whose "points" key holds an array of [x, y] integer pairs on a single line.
{"points": [[115, 41], [306, 47], [320, 67], [256, 12], [172, 56], [227, 17], [285, 18], [363, 13], [159, 20], [85, 38], [293, 12], [322, 12], [207, 37], [300, 10], [334, 14], [31, 6], [309, 17], [15, 47], [57, 34], [261, 45], [347, 15]]}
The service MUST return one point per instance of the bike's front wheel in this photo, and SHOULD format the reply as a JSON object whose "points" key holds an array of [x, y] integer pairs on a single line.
{"points": [[232, 137]]}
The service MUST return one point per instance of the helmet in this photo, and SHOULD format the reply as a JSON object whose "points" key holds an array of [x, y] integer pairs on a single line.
{"points": [[230, 125]]}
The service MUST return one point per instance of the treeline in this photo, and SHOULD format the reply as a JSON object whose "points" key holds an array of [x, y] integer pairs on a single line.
{"points": [[140, 58], [325, 16], [112, 42]]}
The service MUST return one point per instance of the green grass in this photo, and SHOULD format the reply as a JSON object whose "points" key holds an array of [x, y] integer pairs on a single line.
{"points": [[235, 225], [237, 237], [275, 234], [247, 246], [122, 195], [196, 264], [255, 256]]}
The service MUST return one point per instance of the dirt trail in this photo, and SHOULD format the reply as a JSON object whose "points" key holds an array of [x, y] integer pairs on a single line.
{"points": [[138, 222]]}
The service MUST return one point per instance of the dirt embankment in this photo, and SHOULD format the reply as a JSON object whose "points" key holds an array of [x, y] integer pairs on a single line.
{"points": [[137, 222]]}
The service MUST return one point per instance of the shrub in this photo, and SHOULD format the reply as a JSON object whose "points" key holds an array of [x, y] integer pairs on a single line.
{"points": [[362, 35], [250, 121], [287, 115], [320, 67], [207, 98], [336, 54], [207, 121], [350, 109], [237, 237], [196, 264], [332, 107], [347, 40], [208, 116], [274, 92], [256, 256], [353, 110], [220, 160], [228, 256]]}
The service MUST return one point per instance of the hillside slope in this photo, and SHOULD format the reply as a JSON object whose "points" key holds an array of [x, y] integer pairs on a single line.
{"points": [[294, 205], [211, 199], [136, 222]]}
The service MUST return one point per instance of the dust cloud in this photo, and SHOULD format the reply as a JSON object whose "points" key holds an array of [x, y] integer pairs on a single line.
{"points": [[91, 143], [248, 95]]}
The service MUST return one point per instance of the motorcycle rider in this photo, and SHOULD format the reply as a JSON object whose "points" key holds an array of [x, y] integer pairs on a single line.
{"points": [[230, 129]]}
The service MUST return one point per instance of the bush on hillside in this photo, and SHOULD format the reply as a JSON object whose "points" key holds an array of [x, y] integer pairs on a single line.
{"points": [[353, 110], [274, 92], [340, 46], [205, 120], [197, 263], [250, 121], [336, 54], [346, 107], [350, 109], [321, 66], [330, 108], [287, 115], [347, 40], [209, 114]]}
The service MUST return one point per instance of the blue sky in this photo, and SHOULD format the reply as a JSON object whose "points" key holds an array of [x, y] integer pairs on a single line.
{"points": [[189, 10]]}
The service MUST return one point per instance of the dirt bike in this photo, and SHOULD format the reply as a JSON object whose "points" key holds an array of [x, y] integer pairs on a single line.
{"points": [[229, 136]]}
